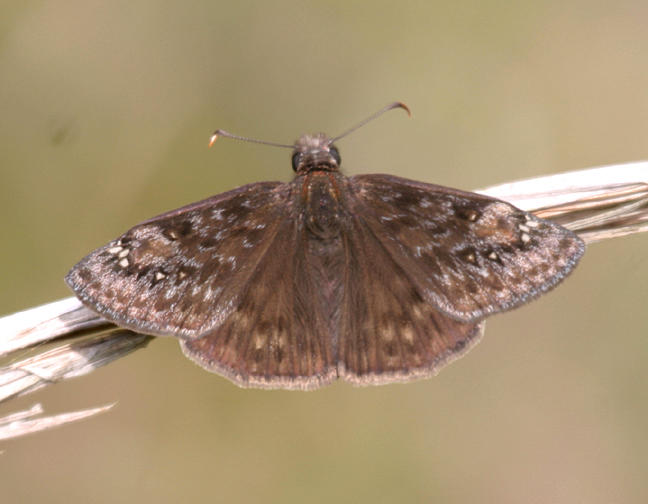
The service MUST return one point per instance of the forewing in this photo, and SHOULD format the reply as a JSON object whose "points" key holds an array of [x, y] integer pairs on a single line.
{"points": [[182, 273], [388, 332], [469, 255], [277, 335]]}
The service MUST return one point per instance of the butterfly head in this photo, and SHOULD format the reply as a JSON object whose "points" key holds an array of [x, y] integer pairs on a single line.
{"points": [[315, 152]]}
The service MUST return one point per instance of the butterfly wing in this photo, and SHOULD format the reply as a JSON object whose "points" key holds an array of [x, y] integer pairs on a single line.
{"points": [[277, 336], [388, 331], [182, 273], [467, 254]]}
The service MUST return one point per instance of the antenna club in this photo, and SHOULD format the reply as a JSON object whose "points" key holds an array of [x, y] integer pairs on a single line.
{"points": [[404, 107]]}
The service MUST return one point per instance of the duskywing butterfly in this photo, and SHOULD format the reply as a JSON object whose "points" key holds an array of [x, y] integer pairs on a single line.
{"points": [[372, 278]]}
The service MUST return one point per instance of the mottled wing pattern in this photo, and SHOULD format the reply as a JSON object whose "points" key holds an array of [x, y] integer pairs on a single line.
{"points": [[388, 331], [277, 335], [469, 255], [183, 273]]}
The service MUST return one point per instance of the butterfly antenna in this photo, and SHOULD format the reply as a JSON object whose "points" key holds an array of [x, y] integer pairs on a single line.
{"points": [[372, 117], [222, 133]]}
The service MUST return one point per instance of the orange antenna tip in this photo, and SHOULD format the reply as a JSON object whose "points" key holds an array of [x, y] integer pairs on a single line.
{"points": [[404, 107]]}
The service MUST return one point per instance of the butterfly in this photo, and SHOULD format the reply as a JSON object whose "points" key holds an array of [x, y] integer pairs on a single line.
{"points": [[371, 279]]}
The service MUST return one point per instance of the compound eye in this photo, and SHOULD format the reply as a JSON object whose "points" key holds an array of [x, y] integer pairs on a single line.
{"points": [[296, 159], [335, 154]]}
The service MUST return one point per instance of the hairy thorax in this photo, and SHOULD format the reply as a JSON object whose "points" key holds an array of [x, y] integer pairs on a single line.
{"points": [[323, 208]]}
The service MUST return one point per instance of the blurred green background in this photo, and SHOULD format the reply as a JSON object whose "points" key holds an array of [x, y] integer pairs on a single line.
{"points": [[106, 112]]}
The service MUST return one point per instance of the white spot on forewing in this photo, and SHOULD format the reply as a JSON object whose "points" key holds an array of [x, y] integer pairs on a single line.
{"points": [[483, 272], [124, 263], [525, 238], [159, 275], [492, 256], [115, 250], [208, 294], [524, 228], [123, 253], [532, 223]]}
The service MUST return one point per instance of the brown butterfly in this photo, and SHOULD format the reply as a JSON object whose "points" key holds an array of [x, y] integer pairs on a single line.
{"points": [[373, 278]]}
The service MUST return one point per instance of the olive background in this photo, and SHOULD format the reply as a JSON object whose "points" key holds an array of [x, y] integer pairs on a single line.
{"points": [[106, 112]]}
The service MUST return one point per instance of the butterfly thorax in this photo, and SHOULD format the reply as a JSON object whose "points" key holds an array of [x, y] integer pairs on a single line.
{"points": [[321, 202], [318, 185]]}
